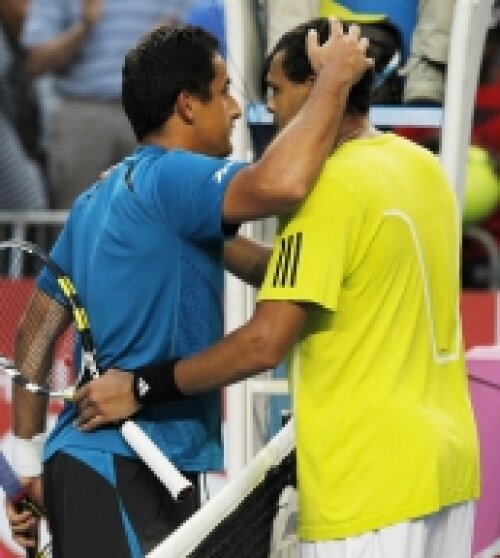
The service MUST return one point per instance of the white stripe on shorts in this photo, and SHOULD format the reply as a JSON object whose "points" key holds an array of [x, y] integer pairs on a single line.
{"points": [[447, 533]]}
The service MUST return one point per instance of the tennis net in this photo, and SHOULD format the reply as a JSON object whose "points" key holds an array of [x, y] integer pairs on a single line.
{"points": [[252, 516]]}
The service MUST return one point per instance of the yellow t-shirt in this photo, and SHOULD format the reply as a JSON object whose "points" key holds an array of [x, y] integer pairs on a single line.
{"points": [[384, 425]]}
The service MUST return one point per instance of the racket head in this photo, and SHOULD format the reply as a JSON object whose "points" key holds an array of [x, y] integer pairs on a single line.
{"points": [[21, 263]]}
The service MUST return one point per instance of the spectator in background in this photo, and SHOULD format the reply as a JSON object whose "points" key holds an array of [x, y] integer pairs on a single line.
{"points": [[283, 15], [486, 126], [209, 14], [83, 43], [21, 180], [426, 67], [486, 134]]}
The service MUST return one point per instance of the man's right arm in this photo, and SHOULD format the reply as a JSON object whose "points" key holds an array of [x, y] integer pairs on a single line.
{"points": [[38, 331], [58, 51], [287, 170], [36, 336]]}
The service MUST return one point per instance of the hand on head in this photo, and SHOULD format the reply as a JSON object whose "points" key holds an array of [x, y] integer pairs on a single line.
{"points": [[344, 54]]}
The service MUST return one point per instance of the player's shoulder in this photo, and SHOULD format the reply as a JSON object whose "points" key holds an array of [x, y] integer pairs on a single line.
{"points": [[413, 148], [198, 166]]}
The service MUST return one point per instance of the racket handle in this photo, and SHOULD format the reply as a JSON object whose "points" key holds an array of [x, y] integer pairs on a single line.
{"points": [[176, 483], [22, 506]]}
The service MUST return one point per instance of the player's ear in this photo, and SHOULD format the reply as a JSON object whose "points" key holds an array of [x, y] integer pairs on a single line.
{"points": [[184, 107]]}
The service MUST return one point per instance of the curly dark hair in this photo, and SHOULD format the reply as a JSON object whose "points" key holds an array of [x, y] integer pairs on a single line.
{"points": [[297, 67], [166, 61]]}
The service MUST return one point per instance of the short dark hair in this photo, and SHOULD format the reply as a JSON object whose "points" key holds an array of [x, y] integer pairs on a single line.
{"points": [[297, 67], [166, 61]]}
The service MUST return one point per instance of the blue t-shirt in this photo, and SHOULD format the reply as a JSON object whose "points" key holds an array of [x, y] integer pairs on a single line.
{"points": [[144, 249]]}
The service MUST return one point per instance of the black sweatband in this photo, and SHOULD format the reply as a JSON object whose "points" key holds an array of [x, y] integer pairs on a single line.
{"points": [[155, 383]]}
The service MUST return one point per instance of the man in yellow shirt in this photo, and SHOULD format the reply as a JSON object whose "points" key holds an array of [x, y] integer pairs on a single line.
{"points": [[364, 280]]}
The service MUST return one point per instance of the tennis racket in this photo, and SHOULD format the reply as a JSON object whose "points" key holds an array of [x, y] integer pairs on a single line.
{"points": [[21, 262]]}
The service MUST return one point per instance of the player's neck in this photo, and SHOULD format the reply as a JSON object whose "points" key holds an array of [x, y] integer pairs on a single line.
{"points": [[354, 127], [174, 134]]}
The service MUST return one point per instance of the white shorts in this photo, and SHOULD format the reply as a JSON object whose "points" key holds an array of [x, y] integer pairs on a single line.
{"points": [[445, 534]]}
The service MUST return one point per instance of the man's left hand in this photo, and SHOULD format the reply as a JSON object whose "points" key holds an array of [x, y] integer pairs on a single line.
{"points": [[105, 400]]}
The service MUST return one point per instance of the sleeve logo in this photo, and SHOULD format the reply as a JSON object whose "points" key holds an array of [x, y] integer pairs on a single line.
{"points": [[221, 173], [285, 273]]}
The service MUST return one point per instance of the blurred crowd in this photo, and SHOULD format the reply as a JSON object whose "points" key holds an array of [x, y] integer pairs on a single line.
{"points": [[22, 180], [61, 120]]}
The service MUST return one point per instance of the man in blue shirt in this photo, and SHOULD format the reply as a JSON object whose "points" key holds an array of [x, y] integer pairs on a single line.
{"points": [[144, 247]]}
